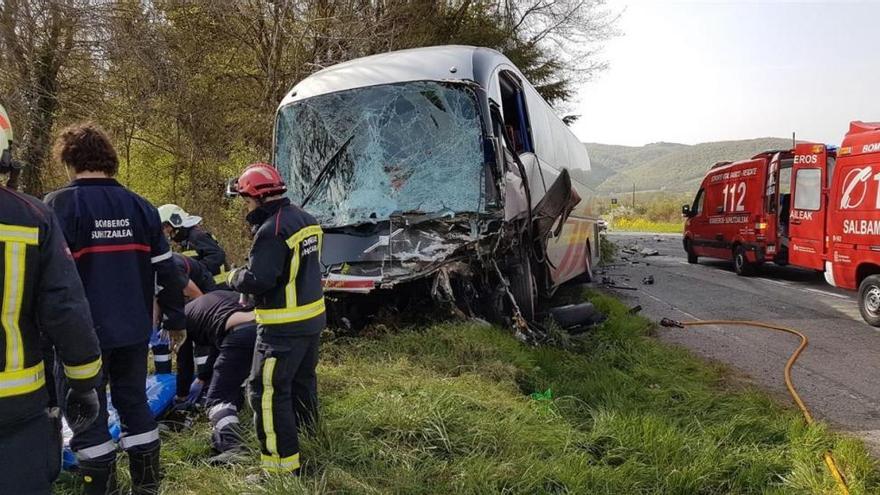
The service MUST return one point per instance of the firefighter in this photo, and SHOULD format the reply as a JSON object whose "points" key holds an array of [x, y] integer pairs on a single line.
{"points": [[121, 254], [195, 241], [42, 296], [196, 273], [220, 321], [283, 275]]}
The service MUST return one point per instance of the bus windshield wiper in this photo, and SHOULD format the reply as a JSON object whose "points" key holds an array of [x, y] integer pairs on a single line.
{"points": [[325, 169]]}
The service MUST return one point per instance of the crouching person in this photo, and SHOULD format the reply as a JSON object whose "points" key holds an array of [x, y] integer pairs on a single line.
{"points": [[220, 321], [284, 276], [116, 240]]}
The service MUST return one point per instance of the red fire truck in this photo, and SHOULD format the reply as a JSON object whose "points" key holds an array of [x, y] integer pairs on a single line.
{"points": [[824, 214]]}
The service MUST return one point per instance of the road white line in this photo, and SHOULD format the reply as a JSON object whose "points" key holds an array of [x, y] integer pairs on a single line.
{"points": [[777, 282], [674, 307], [824, 293]]}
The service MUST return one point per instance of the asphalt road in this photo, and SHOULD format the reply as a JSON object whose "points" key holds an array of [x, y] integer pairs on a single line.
{"points": [[838, 375]]}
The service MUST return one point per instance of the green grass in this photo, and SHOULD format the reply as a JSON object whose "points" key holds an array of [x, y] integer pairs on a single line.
{"points": [[645, 225], [447, 409]]}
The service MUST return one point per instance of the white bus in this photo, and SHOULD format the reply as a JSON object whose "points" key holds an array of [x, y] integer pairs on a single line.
{"points": [[413, 162]]}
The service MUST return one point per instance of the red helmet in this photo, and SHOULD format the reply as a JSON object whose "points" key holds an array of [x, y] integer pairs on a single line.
{"points": [[260, 180]]}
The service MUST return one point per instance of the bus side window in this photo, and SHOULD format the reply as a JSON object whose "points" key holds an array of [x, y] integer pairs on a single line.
{"points": [[516, 117]]}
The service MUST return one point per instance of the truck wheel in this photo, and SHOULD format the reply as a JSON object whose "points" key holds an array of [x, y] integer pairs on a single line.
{"points": [[869, 300], [741, 264], [689, 249]]}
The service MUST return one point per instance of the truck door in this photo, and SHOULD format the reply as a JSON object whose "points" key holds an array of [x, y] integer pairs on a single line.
{"points": [[808, 206]]}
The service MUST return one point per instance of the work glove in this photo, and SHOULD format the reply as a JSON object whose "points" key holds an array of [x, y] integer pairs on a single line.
{"points": [[81, 409], [230, 278], [195, 391]]}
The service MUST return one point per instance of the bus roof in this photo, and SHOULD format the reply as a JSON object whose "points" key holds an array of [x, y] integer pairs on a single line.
{"points": [[434, 63]]}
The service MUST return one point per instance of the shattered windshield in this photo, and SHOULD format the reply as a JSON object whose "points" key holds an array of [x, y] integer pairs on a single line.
{"points": [[360, 155]]}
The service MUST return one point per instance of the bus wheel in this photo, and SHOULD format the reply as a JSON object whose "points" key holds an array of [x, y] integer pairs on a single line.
{"points": [[689, 249], [869, 300], [523, 287], [741, 264]]}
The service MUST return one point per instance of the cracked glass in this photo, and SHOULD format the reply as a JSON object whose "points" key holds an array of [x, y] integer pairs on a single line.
{"points": [[361, 155]]}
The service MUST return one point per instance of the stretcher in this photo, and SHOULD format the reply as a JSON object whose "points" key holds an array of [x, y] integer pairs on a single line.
{"points": [[160, 395]]}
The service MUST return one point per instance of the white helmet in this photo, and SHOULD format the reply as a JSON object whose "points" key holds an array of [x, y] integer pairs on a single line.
{"points": [[177, 217]]}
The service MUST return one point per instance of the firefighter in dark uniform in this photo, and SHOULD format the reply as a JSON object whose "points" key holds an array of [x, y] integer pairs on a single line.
{"points": [[195, 241], [196, 273], [41, 295], [283, 275], [121, 254], [219, 321]]}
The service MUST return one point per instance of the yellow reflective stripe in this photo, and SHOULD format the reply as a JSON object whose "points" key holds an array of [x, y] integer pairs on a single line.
{"points": [[220, 278], [17, 233], [275, 464], [290, 290], [290, 315], [22, 381], [10, 311], [190, 253], [83, 371], [304, 233], [294, 242], [268, 393]]}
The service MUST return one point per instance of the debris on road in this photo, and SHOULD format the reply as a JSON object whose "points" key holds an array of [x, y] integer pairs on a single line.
{"points": [[649, 280], [577, 316], [610, 283], [637, 249]]}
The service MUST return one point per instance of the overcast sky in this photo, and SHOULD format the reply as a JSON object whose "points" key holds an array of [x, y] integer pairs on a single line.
{"points": [[699, 71]]}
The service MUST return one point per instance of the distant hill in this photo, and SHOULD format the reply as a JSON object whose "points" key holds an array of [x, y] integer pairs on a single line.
{"points": [[666, 166]]}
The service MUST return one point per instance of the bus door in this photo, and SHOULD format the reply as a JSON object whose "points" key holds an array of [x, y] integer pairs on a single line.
{"points": [[808, 206]]}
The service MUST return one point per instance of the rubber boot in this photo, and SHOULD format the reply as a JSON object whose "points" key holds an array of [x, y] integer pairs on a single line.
{"points": [[144, 469], [99, 478], [229, 445]]}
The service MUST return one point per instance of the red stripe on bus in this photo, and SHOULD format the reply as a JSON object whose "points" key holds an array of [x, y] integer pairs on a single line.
{"points": [[569, 253]]}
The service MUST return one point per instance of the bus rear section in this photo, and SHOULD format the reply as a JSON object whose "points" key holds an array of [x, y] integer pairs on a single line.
{"points": [[741, 212], [853, 229]]}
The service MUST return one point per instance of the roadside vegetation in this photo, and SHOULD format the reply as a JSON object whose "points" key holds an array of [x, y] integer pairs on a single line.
{"points": [[465, 408], [607, 250], [649, 212], [646, 225]]}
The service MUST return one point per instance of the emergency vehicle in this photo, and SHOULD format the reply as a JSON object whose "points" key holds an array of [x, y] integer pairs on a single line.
{"points": [[742, 211], [836, 215], [813, 207]]}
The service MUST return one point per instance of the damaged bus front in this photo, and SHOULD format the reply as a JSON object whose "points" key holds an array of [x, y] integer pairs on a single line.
{"points": [[421, 184]]}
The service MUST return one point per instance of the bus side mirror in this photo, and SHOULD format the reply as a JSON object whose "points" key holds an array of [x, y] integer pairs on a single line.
{"points": [[686, 211]]}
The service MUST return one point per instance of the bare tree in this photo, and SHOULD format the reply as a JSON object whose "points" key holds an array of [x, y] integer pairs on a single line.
{"points": [[37, 38]]}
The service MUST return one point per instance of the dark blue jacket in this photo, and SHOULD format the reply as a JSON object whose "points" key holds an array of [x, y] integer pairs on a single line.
{"points": [[199, 244], [121, 254], [284, 270], [196, 272], [43, 291]]}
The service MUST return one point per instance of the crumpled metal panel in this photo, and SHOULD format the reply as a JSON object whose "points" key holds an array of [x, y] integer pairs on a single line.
{"points": [[395, 148]]}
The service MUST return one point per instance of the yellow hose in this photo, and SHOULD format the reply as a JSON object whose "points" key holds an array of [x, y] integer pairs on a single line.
{"points": [[829, 459]]}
